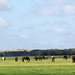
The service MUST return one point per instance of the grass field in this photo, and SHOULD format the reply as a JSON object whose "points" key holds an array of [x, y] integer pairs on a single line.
{"points": [[44, 67]]}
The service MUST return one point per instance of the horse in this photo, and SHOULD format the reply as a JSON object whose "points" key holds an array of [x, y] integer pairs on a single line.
{"points": [[25, 58], [65, 57], [3, 59], [38, 57], [53, 59], [73, 59], [16, 59], [44, 57]]}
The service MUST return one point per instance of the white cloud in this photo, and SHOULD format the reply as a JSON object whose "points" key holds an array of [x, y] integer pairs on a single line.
{"points": [[52, 22], [3, 22], [24, 36], [4, 5], [59, 30], [56, 10], [61, 1], [56, 7], [69, 9]]}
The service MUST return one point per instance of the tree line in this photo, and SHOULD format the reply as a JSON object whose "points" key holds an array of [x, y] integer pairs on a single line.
{"points": [[38, 52]]}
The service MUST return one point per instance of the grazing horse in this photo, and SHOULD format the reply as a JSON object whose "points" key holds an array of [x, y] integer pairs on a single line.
{"points": [[53, 59], [16, 59], [38, 57], [65, 57], [73, 59], [44, 57], [25, 58], [3, 59]]}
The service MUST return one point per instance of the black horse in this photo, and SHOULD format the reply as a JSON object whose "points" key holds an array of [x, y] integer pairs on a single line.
{"points": [[16, 59], [73, 59], [25, 58], [65, 57], [38, 57]]}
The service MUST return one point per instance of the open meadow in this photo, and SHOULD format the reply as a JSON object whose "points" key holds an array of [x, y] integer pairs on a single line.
{"points": [[44, 67]]}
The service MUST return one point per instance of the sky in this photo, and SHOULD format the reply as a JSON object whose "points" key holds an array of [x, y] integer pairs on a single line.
{"points": [[37, 24]]}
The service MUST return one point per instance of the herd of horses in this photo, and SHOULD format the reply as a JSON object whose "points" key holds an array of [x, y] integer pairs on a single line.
{"points": [[28, 59], [44, 57]]}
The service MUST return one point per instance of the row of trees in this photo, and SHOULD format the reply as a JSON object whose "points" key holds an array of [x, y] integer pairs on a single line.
{"points": [[39, 52], [52, 52]]}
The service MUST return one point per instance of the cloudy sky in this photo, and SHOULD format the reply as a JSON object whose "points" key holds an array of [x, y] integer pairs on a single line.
{"points": [[37, 24]]}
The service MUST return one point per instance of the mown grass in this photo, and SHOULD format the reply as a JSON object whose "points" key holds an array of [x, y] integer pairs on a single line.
{"points": [[44, 67], [38, 70]]}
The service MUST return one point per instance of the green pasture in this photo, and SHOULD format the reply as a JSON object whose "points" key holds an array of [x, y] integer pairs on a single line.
{"points": [[44, 67]]}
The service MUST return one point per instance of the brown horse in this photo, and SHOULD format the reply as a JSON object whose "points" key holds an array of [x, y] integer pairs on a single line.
{"points": [[44, 57], [73, 59], [16, 59], [38, 57], [25, 58]]}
